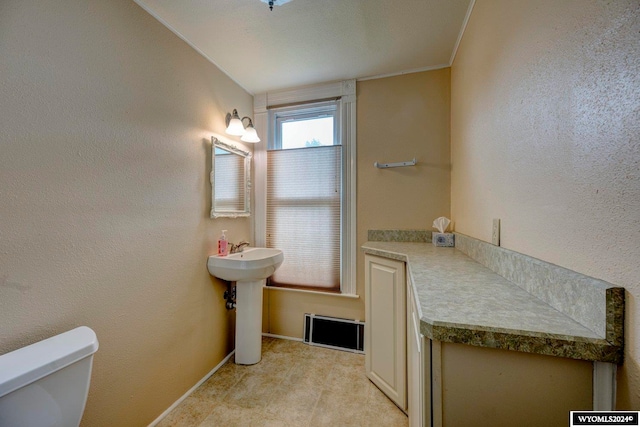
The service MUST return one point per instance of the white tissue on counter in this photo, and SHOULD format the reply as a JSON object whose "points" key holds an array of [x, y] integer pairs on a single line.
{"points": [[441, 224], [442, 239]]}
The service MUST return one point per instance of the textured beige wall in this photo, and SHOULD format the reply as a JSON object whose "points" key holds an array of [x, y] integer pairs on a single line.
{"points": [[400, 118], [286, 310], [545, 135], [401, 198], [105, 126]]}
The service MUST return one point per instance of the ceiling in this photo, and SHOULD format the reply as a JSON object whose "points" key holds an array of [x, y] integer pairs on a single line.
{"points": [[315, 41]]}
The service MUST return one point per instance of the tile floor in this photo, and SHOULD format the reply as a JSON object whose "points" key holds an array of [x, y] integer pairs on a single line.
{"points": [[294, 385]]}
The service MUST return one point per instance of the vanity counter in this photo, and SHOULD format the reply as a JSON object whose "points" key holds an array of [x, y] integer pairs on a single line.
{"points": [[462, 301]]}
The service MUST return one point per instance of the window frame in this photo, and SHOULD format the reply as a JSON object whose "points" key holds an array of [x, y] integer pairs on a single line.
{"points": [[280, 115], [345, 91]]}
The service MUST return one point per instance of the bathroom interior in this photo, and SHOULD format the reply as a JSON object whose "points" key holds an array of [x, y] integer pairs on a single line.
{"points": [[109, 112]]}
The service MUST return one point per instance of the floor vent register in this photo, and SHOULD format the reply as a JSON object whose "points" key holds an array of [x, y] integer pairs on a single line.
{"points": [[333, 332]]}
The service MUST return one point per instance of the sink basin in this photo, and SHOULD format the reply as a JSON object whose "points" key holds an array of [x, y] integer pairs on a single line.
{"points": [[248, 265]]}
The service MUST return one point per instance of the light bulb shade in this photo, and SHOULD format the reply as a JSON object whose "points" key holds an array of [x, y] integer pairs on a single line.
{"points": [[235, 126], [276, 2], [250, 134]]}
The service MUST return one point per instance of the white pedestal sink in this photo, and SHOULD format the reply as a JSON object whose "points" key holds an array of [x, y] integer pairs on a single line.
{"points": [[248, 269]]}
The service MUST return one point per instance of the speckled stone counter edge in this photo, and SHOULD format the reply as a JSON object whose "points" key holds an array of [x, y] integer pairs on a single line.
{"points": [[601, 351], [601, 306], [605, 350]]}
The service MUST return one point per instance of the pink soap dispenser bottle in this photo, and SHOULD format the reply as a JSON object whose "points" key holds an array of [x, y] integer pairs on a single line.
{"points": [[223, 245]]}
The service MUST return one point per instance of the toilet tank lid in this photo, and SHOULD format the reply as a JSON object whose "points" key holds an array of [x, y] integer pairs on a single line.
{"points": [[28, 364]]}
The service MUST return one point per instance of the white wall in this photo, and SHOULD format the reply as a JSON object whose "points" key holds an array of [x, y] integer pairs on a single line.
{"points": [[545, 135], [105, 126]]}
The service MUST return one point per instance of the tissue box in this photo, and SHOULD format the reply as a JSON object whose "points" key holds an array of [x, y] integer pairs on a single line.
{"points": [[442, 239]]}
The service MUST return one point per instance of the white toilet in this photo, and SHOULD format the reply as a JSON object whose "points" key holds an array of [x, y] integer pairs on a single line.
{"points": [[46, 384]]}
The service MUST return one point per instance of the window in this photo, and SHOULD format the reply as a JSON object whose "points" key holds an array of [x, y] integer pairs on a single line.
{"points": [[306, 126], [304, 196], [281, 115]]}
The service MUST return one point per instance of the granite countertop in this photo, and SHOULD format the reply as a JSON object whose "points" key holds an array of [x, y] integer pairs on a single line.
{"points": [[460, 300]]}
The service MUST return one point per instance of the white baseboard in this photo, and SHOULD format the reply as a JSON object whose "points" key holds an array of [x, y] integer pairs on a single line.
{"points": [[282, 337], [191, 390]]}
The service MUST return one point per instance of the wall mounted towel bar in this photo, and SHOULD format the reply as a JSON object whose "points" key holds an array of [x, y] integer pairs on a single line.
{"points": [[395, 165]]}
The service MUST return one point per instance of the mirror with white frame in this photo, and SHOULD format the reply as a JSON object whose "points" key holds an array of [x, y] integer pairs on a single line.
{"points": [[230, 180]]}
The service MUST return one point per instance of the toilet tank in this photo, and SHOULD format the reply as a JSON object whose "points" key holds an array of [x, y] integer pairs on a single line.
{"points": [[46, 384]]}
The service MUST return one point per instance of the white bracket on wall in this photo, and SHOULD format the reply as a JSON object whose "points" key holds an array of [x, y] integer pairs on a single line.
{"points": [[395, 165]]}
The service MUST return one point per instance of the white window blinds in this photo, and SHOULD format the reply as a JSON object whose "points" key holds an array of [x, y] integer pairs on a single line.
{"points": [[303, 215]]}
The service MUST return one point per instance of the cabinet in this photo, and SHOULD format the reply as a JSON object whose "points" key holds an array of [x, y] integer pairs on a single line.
{"points": [[455, 384], [415, 365], [502, 388], [385, 327], [424, 379]]}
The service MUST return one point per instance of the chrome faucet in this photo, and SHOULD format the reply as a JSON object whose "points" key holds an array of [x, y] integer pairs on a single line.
{"points": [[239, 247]]}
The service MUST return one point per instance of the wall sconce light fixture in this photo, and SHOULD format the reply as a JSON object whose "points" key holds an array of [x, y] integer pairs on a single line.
{"points": [[235, 126], [272, 3]]}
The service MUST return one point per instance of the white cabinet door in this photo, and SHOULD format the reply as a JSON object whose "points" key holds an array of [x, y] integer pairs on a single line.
{"points": [[415, 374], [385, 328]]}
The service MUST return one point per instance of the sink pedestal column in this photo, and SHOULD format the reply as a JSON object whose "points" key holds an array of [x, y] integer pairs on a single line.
{"points": [[249, 322]]}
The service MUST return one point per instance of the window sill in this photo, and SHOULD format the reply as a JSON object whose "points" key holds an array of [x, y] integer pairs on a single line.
{"points": [[306, 291]]}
